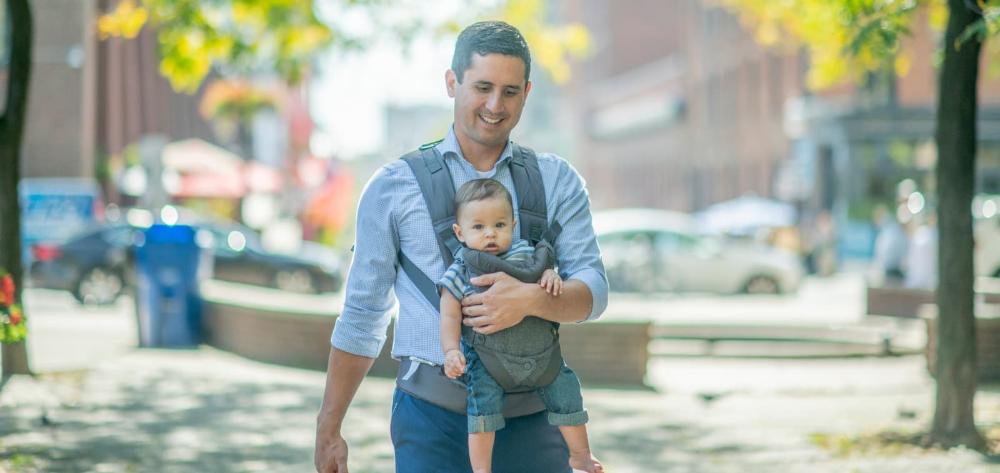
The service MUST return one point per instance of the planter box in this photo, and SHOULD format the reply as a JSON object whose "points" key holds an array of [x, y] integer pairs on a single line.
{"points": [[905, 302], [601, 353], [987, 340]]}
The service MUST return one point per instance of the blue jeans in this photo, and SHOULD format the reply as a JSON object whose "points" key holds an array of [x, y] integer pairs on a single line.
{"points": [[562, 397], [430, 439]]}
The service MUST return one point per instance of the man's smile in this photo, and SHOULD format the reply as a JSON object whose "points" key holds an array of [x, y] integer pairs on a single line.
{"points": [[490, 121]]}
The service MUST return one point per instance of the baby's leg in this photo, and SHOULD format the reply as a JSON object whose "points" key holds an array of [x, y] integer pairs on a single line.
{"points": [[485, 402], [481, 451], [580, 456], [564, 401]]}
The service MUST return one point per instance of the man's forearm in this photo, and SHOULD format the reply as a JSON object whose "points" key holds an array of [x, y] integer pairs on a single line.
{"points": [[343, 376], [573, 305]]}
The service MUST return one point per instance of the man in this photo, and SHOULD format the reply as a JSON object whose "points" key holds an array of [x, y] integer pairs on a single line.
{"points": [[489, 82]]}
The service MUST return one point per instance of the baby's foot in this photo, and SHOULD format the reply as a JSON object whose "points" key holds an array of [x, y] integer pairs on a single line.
{"points": [[585, 462]]}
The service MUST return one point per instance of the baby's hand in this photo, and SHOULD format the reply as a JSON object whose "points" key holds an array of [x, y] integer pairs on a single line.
{"points": [[551, 282], [454, 364]]}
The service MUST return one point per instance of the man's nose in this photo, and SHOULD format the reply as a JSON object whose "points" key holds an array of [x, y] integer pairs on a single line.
{"points": [[495, 103]]}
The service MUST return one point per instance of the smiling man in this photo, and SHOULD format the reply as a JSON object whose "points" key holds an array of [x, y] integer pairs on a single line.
{"points": [[397, 250]]}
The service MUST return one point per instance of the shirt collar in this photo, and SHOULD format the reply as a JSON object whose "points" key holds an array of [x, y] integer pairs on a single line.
{"points": [[450, 147]]}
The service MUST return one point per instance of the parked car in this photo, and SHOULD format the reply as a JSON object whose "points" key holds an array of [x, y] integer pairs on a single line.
{"points": [[240, 257], [92, 264], [647, 250]]}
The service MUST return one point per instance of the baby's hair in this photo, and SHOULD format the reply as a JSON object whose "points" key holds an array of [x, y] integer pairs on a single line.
{"points": [[481, 189]]}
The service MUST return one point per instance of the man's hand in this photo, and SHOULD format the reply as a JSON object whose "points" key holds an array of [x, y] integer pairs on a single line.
{"points": [[503, 305], [331, 452], [454, 363]]}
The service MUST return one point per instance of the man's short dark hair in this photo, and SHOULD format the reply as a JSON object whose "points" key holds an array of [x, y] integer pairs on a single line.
{"points": [[481, 189], [489, 37]]}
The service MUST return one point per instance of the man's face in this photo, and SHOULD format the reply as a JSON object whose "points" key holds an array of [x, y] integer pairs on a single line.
{"points": [[490, 98], [486, 225]]}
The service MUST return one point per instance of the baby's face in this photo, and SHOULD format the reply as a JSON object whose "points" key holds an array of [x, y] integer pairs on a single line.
{"points": [[486, 225]]}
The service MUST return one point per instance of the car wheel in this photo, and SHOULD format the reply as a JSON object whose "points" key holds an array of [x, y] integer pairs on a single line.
{"points": [[762, 285], [99, 286], [295, 280]]}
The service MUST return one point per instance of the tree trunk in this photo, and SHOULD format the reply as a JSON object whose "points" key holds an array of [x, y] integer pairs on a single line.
{"points": [[954, 422], [15, 356]]}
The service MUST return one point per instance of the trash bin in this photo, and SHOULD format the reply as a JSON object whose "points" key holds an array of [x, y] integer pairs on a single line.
{"points": [[168, 304]]}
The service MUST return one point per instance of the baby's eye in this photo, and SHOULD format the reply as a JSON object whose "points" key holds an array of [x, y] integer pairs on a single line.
{"points": [[501, 225], [477, 226]]}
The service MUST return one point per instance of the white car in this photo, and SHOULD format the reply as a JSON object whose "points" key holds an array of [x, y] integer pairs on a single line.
{"points": [[986, 228], [647, 250]]}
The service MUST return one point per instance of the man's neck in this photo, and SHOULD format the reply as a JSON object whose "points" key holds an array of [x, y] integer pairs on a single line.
{"points": [[480, 157]]}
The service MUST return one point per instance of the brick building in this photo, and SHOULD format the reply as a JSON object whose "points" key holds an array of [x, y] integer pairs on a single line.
{"points": [[90, 98], [679, 108]]}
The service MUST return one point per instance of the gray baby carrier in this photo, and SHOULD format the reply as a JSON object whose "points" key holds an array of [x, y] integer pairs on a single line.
{"points": [[521, 358]]}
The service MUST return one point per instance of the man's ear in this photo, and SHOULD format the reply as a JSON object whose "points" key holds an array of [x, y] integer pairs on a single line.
{"points": [[458, 232], [527, 88], [451, 82]]}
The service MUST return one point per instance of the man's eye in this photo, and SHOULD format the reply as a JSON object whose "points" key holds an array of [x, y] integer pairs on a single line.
{"points": [[483, 88], [511, 93]]}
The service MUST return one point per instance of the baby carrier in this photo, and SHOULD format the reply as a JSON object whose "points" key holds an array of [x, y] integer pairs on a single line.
{"points": [[521, 358]]}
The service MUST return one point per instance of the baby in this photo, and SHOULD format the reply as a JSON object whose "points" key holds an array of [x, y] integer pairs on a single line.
{"points": [[485, 222]]}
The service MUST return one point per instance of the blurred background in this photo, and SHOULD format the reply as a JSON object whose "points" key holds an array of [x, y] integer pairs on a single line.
{"points": [[760, 207]]}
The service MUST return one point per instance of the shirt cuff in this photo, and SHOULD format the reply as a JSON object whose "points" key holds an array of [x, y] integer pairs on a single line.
{"points": [[354, 340], [598, 285]]}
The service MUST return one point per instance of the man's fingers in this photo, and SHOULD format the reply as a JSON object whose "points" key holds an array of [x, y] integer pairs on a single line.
{"points": [[476, 321], [485, 279], [474, 299], [473, 311]]}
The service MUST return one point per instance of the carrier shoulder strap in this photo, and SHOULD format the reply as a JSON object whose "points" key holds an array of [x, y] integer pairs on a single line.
{"points": [[531, 207], [438, 191]]}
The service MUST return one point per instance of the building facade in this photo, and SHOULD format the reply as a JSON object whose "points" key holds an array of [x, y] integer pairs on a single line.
{"points": [[677, 108]]}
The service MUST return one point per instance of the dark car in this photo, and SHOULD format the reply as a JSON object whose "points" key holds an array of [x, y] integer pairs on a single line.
{"points": [[92, 264], [240, 257]]}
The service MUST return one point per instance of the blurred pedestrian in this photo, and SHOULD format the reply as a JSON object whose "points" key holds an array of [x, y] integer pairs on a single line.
{"points": [[890, 248], [821, 249], [921, 259]]}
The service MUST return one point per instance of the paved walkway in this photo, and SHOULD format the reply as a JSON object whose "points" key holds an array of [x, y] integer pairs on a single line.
{"points": [[209, 411], [143, 410]]}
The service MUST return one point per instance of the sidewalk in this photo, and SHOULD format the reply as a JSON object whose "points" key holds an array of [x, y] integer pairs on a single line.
{"points": [[99, 405], [208, 411]]}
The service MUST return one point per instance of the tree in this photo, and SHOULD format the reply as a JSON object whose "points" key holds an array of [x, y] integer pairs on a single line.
{"points": [[870, 31], [239, 37], [15, 356]]}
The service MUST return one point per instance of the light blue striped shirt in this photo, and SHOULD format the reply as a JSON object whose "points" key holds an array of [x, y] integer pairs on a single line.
{"points": [[392, 215]]}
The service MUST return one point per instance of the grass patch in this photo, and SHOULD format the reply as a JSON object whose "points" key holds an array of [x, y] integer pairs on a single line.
{"points": [[890, 443]]}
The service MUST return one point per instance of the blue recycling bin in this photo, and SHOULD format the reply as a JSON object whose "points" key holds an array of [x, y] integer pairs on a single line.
{"points": [[167, 300]]}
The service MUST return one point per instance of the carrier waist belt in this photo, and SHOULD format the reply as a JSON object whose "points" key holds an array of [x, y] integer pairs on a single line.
{"points": [[428, 382]]}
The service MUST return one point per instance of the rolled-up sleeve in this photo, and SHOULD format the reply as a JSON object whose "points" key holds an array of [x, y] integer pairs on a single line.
{"points": [[576, 247], [361, 327]]}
